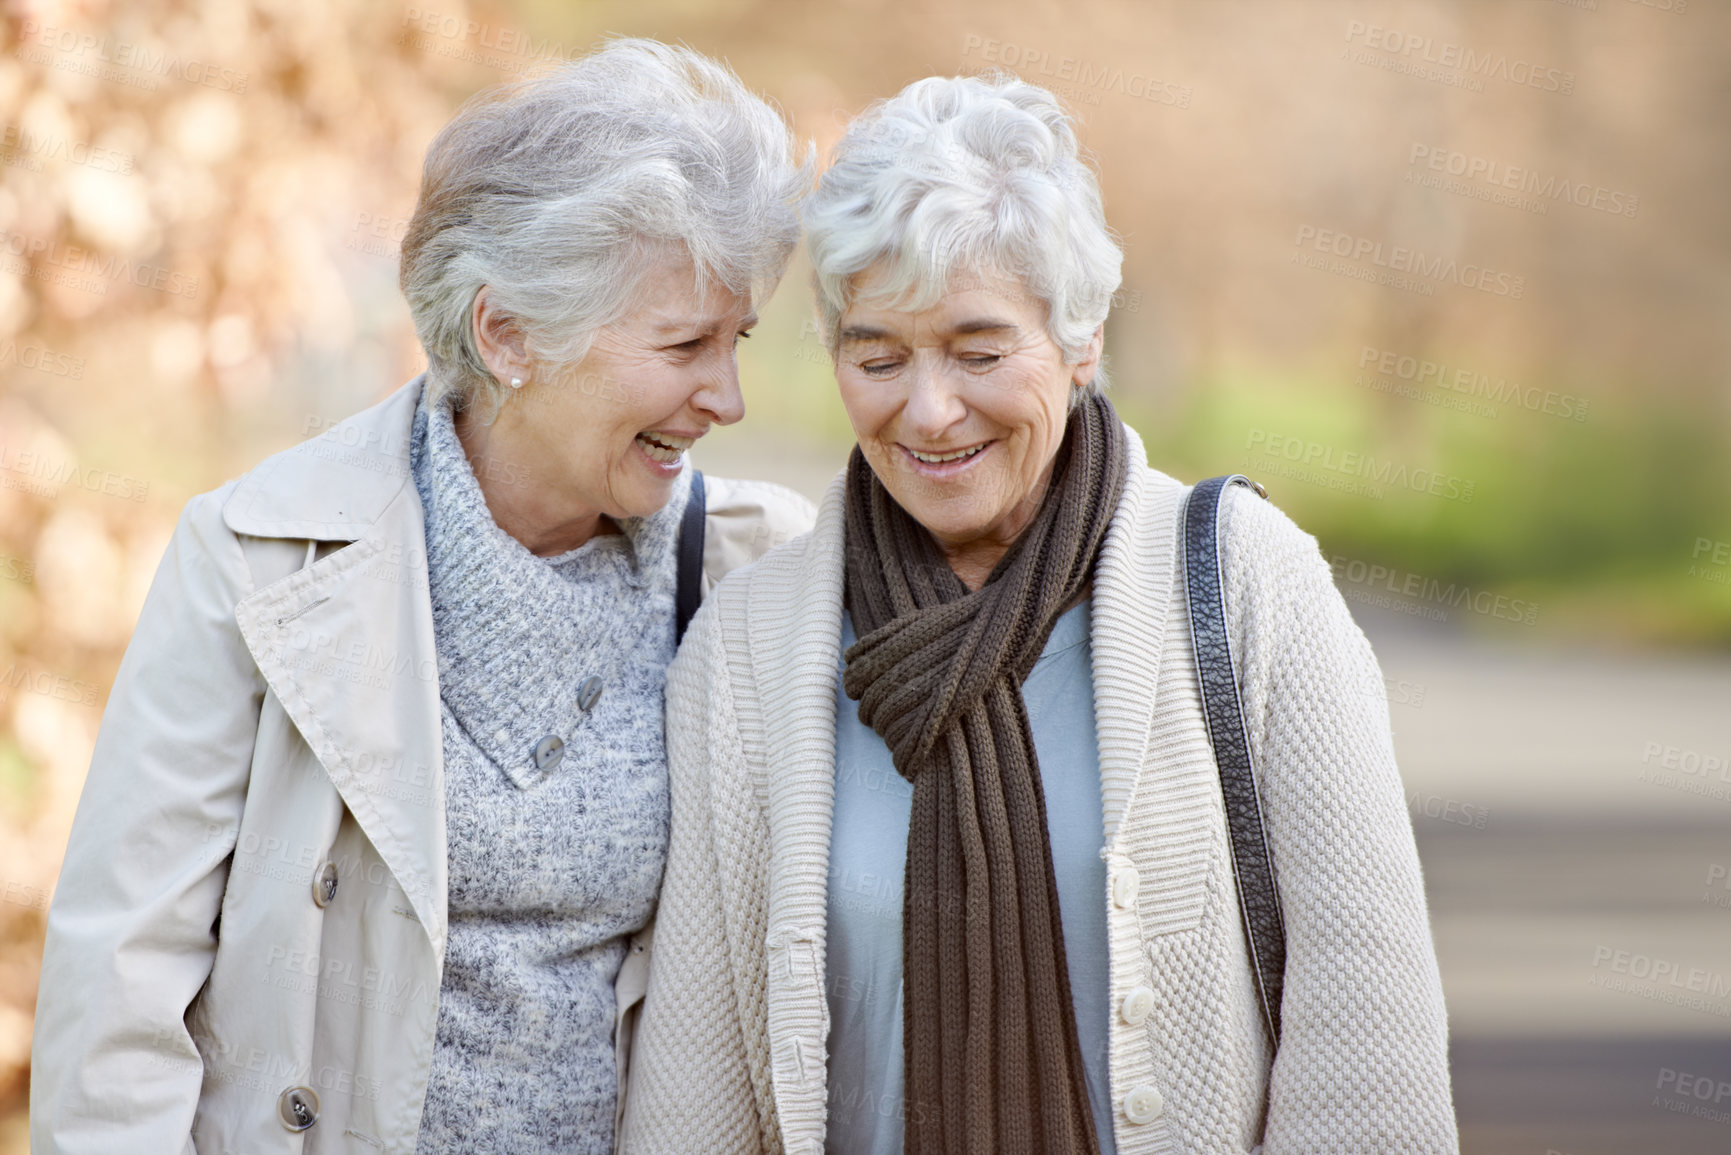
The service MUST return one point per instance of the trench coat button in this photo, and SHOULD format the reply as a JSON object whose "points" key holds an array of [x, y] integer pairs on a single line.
{"points": [[1124, 887], [298, 1108], [1143, 1104], [548, 751], [1138, 1005], [325, 885], [589, 693]]}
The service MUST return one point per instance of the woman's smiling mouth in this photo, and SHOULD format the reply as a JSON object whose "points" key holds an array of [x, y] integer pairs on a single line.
{"points": [[664, 448], [946, 462]]}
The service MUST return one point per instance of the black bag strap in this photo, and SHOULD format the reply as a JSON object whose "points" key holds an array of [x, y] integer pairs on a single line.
{"points": [[689, 594], [1252, 868]]}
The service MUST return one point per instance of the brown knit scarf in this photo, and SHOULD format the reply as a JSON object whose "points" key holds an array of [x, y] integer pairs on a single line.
{"points": [[989, 1032]]}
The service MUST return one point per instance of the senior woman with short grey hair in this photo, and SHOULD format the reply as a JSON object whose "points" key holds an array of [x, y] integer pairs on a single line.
{"points": [[956, 825], [378, 811]]}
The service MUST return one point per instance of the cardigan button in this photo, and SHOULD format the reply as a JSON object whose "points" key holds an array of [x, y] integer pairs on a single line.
{"points": [[1138, 1005], [1143, 1104], [298, 1108], [589, 693], [1124, 887]]}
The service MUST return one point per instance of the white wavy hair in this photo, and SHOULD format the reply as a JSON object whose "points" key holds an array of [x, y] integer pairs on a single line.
{"points": [[554, 192], [959, 178]]}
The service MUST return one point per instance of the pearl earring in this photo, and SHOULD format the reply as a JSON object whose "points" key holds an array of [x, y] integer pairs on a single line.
{"points": [[516, 382]]}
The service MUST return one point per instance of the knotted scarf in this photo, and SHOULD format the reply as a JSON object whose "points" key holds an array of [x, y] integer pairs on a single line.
{"points": [[990, 1050]]}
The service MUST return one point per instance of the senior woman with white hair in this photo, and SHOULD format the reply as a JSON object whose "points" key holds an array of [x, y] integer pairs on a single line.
{"points": [[380, 799], [996, 905]]}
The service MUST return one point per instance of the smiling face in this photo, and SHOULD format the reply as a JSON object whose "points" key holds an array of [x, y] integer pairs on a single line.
{"points": [[606, 437], [617, 424], [960, 409]]}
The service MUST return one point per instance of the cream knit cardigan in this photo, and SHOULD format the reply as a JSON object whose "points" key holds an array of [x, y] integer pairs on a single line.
{"points": [[730, 1054]]}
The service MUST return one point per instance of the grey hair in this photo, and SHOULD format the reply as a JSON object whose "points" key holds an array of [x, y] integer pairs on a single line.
{"points": [[963, 177], [553, 191]]}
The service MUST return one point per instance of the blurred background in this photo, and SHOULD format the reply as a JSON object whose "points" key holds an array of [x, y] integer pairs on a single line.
{"points": [[1452, 278]]}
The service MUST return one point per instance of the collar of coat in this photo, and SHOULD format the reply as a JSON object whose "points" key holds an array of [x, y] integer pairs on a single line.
{"points": [[346, 641], [789, 607], [333, 487]]}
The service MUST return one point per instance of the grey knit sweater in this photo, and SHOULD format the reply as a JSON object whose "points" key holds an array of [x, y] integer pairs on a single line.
{"points": [[550, 869]]}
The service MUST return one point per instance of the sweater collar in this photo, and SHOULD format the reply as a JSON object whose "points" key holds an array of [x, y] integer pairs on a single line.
{"points": [[554, 621]]}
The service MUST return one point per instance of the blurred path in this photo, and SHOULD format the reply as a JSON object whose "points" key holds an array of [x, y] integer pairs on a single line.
{"points": [[1581, 912]]}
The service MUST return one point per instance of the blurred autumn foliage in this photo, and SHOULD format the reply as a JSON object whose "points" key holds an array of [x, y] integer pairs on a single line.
{"points": [[173, 176]]}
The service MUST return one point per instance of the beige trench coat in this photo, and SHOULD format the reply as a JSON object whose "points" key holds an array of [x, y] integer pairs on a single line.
{"points": [[249, 929]]}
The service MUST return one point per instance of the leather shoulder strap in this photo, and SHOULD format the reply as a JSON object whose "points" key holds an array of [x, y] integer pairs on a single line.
{"points": [[1252, 868], [689, 594]]}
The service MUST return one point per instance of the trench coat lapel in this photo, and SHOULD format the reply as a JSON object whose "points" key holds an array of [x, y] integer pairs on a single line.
{"points": [[346, 644]]}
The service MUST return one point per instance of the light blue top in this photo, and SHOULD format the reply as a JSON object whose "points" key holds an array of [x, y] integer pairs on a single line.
{"points": [[868, 852]]}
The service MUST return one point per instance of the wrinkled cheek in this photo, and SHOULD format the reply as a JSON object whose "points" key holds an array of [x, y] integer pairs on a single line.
{"points": [[885, 460]]}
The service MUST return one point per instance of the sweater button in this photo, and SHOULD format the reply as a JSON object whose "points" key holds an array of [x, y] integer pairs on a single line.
{"points": [[548, 751], [1125, 884], [588, 693], [1138, 1005], [298, 1108], [1143, 1104]]}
